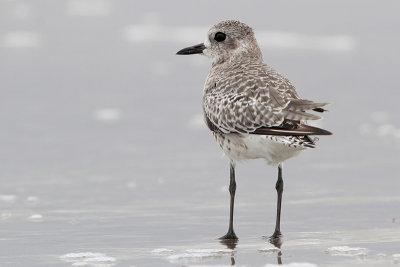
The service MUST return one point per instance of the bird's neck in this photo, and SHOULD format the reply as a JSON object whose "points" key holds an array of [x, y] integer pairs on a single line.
{"points": [[252, 54], [237, 59]]}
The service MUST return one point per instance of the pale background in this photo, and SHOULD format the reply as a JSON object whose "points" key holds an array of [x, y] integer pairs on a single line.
{"points": [[103, 148]]}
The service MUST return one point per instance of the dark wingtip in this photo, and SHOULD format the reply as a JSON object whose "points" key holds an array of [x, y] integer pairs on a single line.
{"points": [[315, 130], [291, 129], [323, 132], [320, 110]]}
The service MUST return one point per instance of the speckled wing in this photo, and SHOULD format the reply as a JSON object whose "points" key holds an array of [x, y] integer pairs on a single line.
{"points": [[247, 97]]}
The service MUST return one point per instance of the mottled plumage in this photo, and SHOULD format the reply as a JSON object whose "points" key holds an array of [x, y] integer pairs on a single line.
{"points": [[252, 110], [242, 95]]}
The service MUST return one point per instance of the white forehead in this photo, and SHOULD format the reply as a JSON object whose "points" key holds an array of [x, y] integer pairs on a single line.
{"points": [[210, 34], [207, 42]]}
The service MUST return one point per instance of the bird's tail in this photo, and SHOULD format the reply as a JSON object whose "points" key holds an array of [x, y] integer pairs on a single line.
{"points": [[296, 110]]}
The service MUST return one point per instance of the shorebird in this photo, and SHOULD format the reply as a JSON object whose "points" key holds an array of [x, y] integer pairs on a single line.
{"points": [[252, 110]]}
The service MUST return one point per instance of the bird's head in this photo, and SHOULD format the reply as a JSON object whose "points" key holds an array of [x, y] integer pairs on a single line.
{"points": [[228, 40]]}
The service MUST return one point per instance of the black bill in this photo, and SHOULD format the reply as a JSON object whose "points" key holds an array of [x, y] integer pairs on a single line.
{"points": [[196, 49]]}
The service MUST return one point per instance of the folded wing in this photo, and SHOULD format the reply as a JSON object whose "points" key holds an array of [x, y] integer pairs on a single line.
{"points": [[259, 102]]}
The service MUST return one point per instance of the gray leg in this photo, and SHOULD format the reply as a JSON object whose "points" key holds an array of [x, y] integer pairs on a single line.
{"points": [[232, 189], [279, 190]]}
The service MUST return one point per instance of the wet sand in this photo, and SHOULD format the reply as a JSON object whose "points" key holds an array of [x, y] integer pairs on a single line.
{"points": [[105, 160]]}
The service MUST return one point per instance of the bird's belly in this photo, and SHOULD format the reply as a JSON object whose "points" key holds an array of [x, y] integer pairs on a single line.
{"points": [[240, 147]]}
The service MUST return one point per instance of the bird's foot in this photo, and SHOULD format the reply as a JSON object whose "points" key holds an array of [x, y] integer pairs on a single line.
{"points": [[276, 234], [230, 235], [276, 239]]}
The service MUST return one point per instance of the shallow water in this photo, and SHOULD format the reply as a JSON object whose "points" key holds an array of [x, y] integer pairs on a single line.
{"points": [[105, 161]]}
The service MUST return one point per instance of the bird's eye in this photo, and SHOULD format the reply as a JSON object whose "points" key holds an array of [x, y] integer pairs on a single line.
{"points": [[220, 36]]}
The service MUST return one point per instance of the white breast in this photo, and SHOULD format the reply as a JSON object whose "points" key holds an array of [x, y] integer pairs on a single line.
{"points": [[274, 149]]}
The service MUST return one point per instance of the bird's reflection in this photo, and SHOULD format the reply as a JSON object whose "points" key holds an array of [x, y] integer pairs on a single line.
{"points": [[230, 244], [277, 242]]}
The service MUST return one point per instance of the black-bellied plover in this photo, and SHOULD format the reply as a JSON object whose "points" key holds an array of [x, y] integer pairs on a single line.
{"points": [[252, 110]]}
